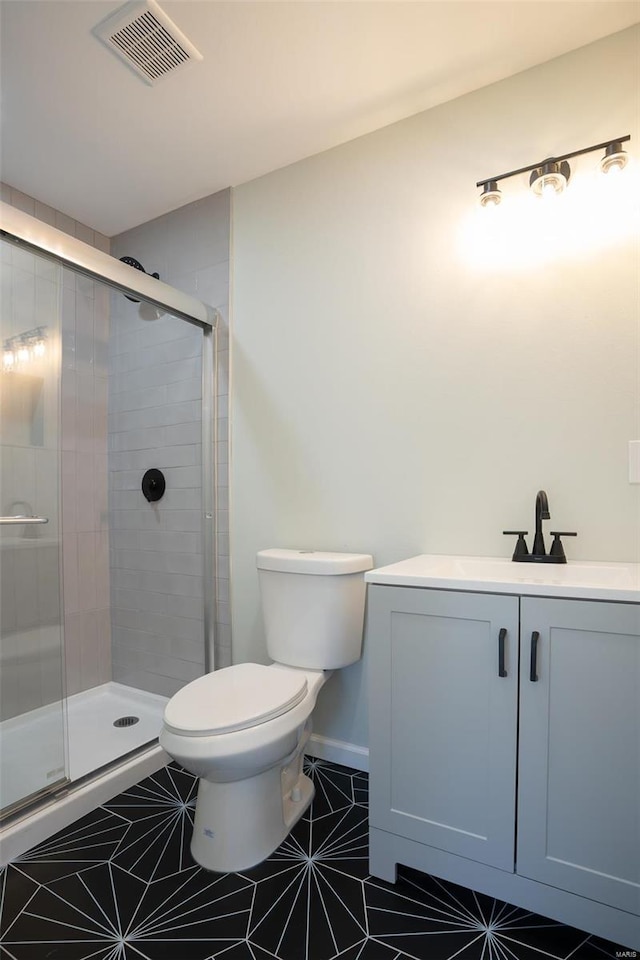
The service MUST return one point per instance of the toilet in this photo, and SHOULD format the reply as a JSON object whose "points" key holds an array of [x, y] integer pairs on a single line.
{"points": [[243, 729]]}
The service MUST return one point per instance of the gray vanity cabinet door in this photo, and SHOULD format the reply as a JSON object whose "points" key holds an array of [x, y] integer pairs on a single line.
{"points": [[442, 721], [579, 773]]}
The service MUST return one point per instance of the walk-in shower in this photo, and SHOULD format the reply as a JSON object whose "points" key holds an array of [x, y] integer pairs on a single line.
{"points": [[108, 598]]}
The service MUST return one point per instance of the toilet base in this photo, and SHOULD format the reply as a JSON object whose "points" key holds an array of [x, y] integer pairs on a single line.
{"points": [[239, 824]]}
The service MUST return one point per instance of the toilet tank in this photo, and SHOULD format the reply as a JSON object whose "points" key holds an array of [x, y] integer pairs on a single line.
{"points": [[313, 606]]}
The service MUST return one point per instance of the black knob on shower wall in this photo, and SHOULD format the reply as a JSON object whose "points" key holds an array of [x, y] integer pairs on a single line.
{"points": [[153, 485]]}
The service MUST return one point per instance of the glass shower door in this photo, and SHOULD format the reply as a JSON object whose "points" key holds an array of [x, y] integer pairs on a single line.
{"points": [[32, 706]]}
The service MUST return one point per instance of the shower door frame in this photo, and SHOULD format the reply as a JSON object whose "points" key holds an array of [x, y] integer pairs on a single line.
{"points": [[31, 234]]}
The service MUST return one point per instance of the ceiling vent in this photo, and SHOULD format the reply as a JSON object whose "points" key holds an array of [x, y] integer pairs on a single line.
{"points": [[144, 37]]}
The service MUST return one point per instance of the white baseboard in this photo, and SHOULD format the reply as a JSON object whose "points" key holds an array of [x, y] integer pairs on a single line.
{"points": [[337, 751]]}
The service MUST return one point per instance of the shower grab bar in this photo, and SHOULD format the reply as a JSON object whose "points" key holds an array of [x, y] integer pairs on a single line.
{"points": [[25, 519]]}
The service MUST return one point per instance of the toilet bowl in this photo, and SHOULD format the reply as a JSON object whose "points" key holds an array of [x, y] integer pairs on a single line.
{"points": [[243, 729], [248, 769]]}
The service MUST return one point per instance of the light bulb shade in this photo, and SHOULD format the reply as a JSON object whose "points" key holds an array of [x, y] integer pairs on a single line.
{"points": [[490, 196], [551, 177], [615, 158]]}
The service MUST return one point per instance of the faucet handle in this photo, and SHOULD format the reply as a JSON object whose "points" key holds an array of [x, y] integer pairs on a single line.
{"points": [[557, 550], [521, 549]]}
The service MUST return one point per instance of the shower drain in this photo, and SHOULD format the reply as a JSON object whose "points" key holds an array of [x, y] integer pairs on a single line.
{"points": [[125, 721]]}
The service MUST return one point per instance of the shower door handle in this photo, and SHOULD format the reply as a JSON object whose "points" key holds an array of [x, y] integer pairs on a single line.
{"points": [[13, 520]]}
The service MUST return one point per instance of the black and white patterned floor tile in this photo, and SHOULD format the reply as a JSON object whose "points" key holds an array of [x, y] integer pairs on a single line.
{"points": [[120, 884]]}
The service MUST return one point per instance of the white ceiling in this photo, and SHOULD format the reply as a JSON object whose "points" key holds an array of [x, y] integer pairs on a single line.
{"points": [[279, 81]]}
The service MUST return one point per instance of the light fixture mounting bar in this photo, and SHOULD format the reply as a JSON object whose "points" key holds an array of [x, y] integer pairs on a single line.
{"points": [[565, 156]]}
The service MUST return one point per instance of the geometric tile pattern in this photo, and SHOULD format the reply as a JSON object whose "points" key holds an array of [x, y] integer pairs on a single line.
{"points": [[120, 884]]}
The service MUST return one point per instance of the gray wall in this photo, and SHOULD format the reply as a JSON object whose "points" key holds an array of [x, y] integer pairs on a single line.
{"points": [[154, 421], [406, 375]]}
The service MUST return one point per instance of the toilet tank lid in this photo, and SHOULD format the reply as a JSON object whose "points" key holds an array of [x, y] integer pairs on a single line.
{"points": [[313, 562]]}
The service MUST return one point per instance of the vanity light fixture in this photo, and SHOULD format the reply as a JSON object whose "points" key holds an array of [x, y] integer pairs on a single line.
{"points": [[550, 177]]}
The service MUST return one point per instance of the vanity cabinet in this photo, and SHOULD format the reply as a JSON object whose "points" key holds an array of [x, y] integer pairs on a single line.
{"points": [[511, 771]]}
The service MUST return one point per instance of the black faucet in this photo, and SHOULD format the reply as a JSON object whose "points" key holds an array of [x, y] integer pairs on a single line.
{"points": [[542, 513], [539, 554]]}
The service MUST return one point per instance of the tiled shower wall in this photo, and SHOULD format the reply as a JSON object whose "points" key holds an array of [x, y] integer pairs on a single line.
{"points": [[155, 404], [85, 334]]}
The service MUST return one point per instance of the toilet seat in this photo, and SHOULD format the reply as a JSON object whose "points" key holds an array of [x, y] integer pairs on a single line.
{"points": [[235, 698]]}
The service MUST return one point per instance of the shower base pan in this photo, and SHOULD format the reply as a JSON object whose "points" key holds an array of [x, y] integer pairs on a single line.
{"points": [[95, 746]]}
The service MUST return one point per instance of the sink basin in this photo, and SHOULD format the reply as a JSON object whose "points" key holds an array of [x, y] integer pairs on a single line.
{"points": [[584, 579]]}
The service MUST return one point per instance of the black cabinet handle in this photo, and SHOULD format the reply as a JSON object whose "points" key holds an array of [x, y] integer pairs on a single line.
{"points": [[533, 666], [501, 638]]}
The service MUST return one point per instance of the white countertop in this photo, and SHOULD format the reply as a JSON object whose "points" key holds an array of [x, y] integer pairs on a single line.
{"points": [[577, 579]]}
